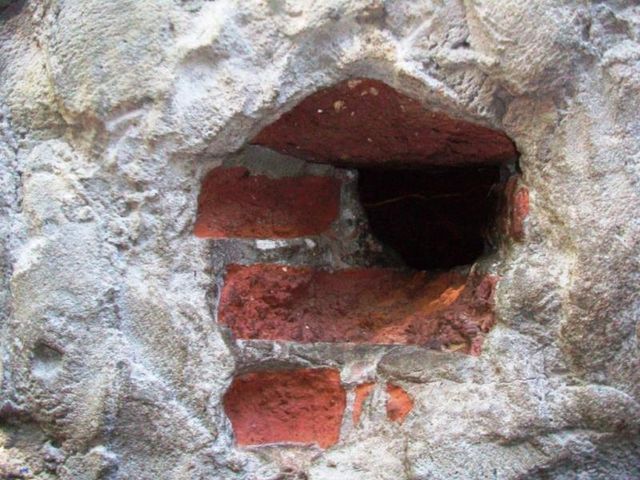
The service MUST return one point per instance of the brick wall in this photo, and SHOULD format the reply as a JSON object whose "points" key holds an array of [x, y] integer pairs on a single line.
{"points": [[298, 267]]}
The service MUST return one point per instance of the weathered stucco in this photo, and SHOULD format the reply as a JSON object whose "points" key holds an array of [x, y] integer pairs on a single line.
{"points": [[111, 114]]}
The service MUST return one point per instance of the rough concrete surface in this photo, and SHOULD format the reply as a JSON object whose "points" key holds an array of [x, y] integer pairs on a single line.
{"points": [[113, 365]]}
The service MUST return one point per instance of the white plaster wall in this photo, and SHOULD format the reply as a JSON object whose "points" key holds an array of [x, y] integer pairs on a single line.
{"points": [[111, 113]]}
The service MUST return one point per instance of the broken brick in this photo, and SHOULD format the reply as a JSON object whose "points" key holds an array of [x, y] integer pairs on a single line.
{"points": [[399, 403], [362, 392], [364, 122]]}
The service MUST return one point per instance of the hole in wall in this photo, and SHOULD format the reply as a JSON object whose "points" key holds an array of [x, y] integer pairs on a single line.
{"points": [[429, 185], [433, 218], [432, 189]]}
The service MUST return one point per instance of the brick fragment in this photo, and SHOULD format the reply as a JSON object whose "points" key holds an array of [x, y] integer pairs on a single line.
{"points": [[399, 403], [362, 393], [516, 207]]}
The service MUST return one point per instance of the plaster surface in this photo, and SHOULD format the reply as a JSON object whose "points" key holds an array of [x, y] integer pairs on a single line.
{"points": [[113, 364]]}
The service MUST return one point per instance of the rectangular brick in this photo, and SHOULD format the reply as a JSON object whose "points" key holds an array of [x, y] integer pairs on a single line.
{"points": [[235, 204], [288, 406], [375, 305]]}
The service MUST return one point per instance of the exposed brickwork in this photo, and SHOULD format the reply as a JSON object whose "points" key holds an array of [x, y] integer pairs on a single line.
{"points": [[362, 392], [519, 211], [234, 203], [516, 208], [399, 403], [366, 122], [434, 218], [300, 406], [375, 305]]}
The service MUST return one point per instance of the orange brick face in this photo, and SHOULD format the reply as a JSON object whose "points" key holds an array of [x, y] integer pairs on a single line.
{"points": [[362, 393], [515, 209], [235, 204], [299, 406], [366, 305], [519, 212], [399, 403]]}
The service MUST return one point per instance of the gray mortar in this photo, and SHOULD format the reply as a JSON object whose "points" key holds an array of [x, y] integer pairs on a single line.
{"points": [[113, 112]]}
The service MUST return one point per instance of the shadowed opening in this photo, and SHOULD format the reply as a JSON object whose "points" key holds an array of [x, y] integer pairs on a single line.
{"points": [[433, 218], [430, 186], [429, 183]]}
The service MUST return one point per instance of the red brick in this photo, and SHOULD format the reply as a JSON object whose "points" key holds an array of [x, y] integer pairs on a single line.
{"points": [[519, 211], [364, 121], [362, 393], [399, 403], [517, 200], [375, 305], [298, 406], [234, 203]]}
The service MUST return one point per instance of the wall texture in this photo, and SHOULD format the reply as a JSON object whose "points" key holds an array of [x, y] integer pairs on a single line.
{"points": [[113, 364]]}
